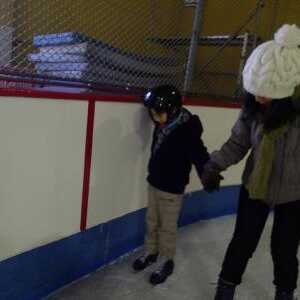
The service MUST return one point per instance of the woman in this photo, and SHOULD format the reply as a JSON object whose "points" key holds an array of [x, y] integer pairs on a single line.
{"points": [[269, 126]]}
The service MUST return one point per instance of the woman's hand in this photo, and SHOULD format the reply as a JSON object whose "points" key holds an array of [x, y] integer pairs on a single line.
{"points": [[211, 180]]}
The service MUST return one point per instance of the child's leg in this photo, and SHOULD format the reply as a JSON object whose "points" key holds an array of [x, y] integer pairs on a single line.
{"points": [[151, 240], [169, 208], [152, 222]]}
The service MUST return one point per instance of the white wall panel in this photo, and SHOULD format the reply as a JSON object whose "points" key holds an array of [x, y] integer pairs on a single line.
{"points": [[41, 171]]}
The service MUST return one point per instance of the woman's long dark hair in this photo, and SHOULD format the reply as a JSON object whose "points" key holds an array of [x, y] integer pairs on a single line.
{"points": [[274, 115]]}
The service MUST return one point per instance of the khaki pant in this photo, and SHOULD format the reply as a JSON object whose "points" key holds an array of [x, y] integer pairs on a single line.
{"points": [[162, 217]]}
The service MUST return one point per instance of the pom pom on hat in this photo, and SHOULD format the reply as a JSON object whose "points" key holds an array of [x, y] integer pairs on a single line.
{"points": [[288, 36], [273, 68]]}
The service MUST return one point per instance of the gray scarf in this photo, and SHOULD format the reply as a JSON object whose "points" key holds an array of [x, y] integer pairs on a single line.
{"points": [[183, 117]]}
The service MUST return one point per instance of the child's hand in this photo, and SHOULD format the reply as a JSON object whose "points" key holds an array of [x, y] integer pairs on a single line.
{"points": [[211, 180]]}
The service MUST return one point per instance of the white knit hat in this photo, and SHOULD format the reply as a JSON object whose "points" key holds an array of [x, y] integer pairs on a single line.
{"points": [[273, 68]]}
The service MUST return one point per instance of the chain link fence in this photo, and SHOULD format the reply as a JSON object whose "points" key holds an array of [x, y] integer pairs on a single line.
{"points": [[102, 42], [239, 26], [136, 43]]}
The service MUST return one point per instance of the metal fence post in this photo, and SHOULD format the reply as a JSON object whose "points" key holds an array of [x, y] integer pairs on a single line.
{"points": [[197, 23], [242, 64]]}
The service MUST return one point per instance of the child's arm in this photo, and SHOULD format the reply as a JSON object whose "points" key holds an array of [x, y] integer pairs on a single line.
{"points": [[197, 151]]}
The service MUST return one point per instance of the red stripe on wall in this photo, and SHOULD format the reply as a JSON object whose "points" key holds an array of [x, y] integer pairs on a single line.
{"points": [[206, 101], [109, 97], [87, 163]]}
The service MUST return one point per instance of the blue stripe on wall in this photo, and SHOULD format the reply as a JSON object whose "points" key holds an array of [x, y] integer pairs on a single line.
{"points": [[202, 206], [36, 273]]}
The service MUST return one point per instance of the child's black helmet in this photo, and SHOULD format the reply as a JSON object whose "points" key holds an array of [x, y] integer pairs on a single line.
{"points": [[164, 98]]}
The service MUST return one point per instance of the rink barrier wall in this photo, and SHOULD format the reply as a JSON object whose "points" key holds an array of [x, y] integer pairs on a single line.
{"points": [[35, 274], [61, 254]]}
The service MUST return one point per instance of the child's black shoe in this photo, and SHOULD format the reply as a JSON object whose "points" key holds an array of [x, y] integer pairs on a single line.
{"points": [[144, 261], [161, 274]]}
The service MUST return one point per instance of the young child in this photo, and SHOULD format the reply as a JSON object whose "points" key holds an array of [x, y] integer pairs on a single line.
{"points": [[268, 127], [175, 147]]}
